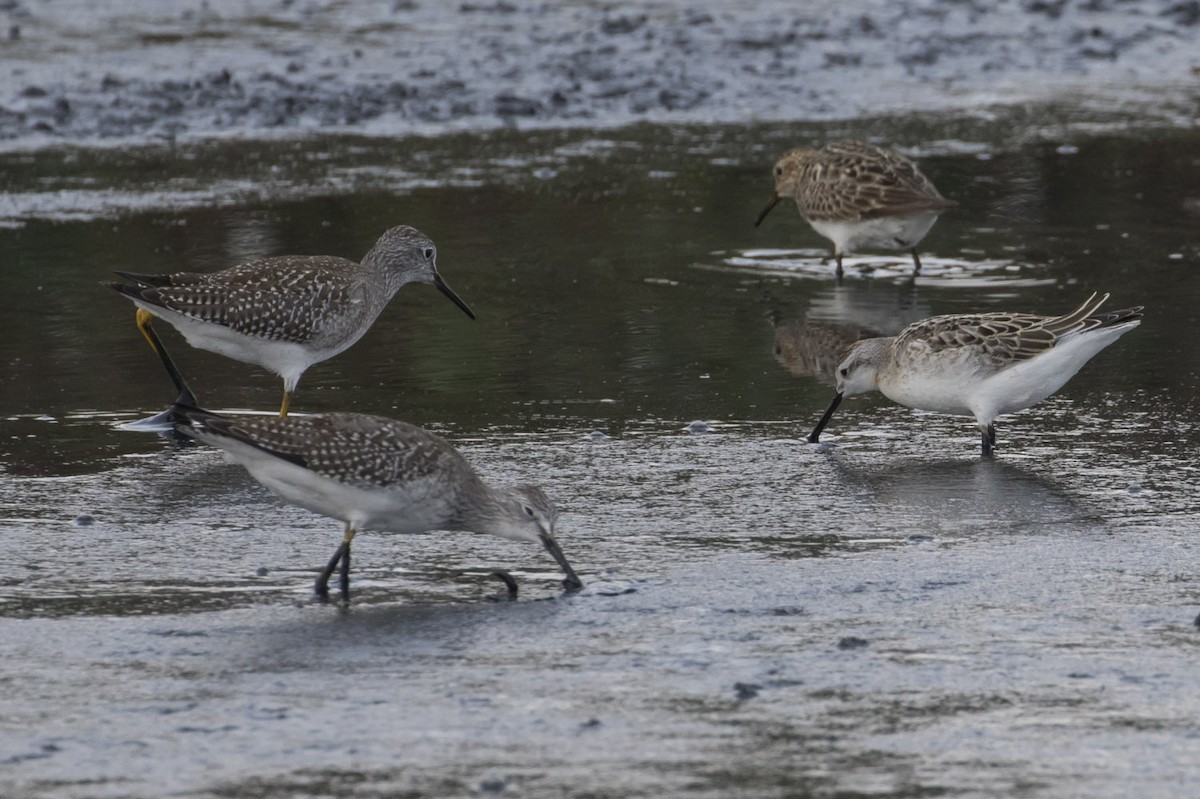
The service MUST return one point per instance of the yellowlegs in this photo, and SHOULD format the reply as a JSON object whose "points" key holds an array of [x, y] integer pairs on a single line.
{"points": [[859, 196], [373, 473], [287, 312], [981, 365]]}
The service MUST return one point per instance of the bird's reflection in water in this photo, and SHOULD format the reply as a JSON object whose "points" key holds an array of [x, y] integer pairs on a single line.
{"points": [[836, 318], [961, 496], [815, 346]]}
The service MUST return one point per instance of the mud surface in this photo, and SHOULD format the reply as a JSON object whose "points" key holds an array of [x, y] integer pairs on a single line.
{"points": [[140, 69], [880, 615]]}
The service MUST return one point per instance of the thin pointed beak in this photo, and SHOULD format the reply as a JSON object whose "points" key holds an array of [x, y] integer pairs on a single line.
{"points": [[816, 433], [572, 581], [449, 292], [775, 198]]}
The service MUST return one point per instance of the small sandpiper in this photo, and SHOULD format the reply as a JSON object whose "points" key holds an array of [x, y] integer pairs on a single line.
{"points": [[373, 473], [981, 365], [859, 196], [288, 312]]}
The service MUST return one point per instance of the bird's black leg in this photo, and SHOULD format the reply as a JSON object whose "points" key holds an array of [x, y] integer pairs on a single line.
{"points": [[509, 582], [839, 271], [988, 441], [345, 576], [916, 262], [342, 556], [322, 586]]}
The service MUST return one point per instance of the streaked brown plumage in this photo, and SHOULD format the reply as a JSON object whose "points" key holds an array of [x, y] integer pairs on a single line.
{"points": [[859, 195]]}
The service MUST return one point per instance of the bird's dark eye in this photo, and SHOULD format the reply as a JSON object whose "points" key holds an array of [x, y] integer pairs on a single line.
{"points": [[844, 371], [528, 511], [778, 170], [428, 253]]}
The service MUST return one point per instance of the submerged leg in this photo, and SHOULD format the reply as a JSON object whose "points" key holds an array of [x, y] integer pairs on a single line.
{"points": [[509, 581], [344, 577], [342, 556], [988, 442], [916, 262], [838, 273], [144, 319]]}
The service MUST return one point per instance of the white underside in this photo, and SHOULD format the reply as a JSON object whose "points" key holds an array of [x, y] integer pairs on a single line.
{"points": [[286, 359], [418, 506], [951, 382], [884, 233]]}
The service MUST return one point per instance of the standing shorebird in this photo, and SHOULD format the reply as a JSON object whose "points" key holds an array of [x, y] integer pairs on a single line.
{"points": [[373, 473], [859, 196], [287, 312], [981, 365]]}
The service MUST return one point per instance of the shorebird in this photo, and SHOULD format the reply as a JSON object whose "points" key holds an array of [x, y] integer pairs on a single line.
{"points": [[859, 196], [981, 365], [373, 473], [288, 312]]}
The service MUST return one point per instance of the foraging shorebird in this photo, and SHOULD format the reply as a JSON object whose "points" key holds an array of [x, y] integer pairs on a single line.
{"points": [[859, 196], [982, 365], [373, 473]]}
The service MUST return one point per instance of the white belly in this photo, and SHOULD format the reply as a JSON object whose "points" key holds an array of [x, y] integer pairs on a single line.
{"points": [[415, 507], [883, 233], [287, 359]]}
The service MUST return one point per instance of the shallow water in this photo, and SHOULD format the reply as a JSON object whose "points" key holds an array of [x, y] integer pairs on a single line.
{"points": [[883, 614]]}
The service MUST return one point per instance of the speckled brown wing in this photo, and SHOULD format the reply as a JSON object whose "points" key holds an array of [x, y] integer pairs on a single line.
{"points": [[280, 299], [1004, 337], [355, 449], [1000, 337], [852, 181]]}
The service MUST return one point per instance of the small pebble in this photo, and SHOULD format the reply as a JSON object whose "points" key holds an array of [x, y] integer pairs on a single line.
{"points": [[596, 435], [746, 690], [493, 784], [84, 520], [262, 571], [697, 427], [852, 642]]}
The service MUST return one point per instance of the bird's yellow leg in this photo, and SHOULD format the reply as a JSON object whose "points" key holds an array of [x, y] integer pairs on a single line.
{"points": [[287, 403], [143, 319]]}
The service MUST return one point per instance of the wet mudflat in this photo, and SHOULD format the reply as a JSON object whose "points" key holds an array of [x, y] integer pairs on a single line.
{"points": [[884, 614]]}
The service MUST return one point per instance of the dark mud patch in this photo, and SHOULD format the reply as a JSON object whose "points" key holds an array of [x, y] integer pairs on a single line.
{"points": [[143, 70]]}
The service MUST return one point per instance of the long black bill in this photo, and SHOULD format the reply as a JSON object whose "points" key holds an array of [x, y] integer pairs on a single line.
{"points": [[774, 201], [572, 581], [815, 435], [449, 292]]}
